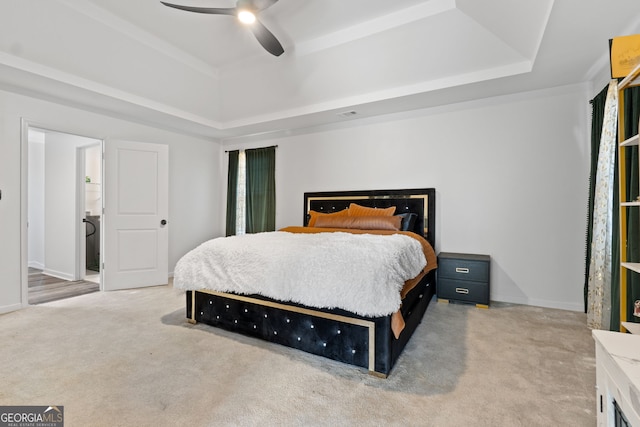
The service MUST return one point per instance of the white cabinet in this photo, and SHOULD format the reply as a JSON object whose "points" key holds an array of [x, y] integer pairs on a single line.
{"points": [[617, 378]]}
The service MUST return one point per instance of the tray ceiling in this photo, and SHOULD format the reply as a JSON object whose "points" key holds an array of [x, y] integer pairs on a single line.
{"points": [[206, 75]]}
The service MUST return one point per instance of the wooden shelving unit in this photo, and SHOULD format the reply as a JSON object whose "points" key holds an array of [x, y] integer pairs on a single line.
{"points": [[624, 141]]}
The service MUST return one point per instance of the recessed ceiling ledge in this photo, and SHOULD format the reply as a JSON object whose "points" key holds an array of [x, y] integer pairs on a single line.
{"points": [[520, 67], [374, 26], [43, 71]]}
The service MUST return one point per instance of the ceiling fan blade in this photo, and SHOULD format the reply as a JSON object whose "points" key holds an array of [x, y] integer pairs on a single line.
{"points": [[209, 10], [267, 39]]}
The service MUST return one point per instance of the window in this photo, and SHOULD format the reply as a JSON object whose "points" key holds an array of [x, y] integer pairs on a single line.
{"points": [[241, 194], [251, 198]]}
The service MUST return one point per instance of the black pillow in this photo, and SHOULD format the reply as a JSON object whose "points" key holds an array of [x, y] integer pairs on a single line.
{"points": [[408, 221]]}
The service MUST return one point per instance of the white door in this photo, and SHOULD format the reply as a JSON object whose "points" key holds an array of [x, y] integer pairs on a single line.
{"points": [[136, 207]]}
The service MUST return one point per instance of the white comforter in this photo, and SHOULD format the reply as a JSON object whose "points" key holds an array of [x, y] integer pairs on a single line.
{"points": [[361, 273]]}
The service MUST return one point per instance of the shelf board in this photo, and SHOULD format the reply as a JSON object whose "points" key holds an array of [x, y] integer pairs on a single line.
{"points": [[634, 140], [634, 328], [633, 79], [634, 266], [630, 203]]}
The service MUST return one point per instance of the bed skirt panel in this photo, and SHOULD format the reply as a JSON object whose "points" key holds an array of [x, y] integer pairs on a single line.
{"points": [[413, 308], [339, 335]]}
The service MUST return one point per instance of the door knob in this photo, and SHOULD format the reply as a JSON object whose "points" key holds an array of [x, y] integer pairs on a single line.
{"points": [[163, 222]]}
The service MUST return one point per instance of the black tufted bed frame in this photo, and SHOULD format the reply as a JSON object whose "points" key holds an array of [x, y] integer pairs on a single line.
{"points": [[366, 342]]}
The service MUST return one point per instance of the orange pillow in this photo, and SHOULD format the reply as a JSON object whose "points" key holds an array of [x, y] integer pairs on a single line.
{"points": [[359, 222], [313, 216], [357, 210]]}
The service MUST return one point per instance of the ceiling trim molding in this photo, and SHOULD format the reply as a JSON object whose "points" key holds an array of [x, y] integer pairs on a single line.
{"points": [[535, 37], [136, 33], [374, 26], [222, 128], [520, 67], [240, 141], [36, 69]]}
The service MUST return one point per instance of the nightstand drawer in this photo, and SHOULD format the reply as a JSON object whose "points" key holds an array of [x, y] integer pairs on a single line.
{"points": [[463, 290], [463, 268]]}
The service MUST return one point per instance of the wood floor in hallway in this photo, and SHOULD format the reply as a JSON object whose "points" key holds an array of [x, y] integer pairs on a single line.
{"points": [[44, 288]]}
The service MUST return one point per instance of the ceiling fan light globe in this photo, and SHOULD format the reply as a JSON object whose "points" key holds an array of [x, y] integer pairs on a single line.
{"points": [[246, 17]]}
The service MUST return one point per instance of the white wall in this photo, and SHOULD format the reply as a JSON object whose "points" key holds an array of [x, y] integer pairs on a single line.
{"points": [[60, 206], [36, 200], [93, 189], [93, 169], [511, 175], [194, 180]]}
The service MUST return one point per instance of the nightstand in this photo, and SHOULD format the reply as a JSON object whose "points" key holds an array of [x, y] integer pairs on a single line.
{"points": [[464, 278]]}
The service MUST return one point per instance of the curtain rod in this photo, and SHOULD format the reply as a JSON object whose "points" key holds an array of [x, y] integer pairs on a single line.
{"points": [[272, 146]]}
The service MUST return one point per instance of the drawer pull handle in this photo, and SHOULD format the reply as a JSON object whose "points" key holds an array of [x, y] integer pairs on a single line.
{"points": [[462, 291], [462, 270]]}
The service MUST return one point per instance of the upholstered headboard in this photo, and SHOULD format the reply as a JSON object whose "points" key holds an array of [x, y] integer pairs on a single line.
{"points": [[420, 201]]}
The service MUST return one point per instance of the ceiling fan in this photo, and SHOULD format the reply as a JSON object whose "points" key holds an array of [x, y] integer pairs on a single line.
{"points": [[246, 11]]}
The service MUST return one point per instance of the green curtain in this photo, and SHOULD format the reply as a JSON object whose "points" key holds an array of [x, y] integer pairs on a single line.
{"points": [[261, 189], [232, 195], [597, 119], [631, 115]]}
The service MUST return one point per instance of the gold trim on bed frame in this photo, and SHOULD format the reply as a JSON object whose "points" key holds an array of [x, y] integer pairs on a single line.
{"points": [[193, 308], [424, 197], [359, 322]]}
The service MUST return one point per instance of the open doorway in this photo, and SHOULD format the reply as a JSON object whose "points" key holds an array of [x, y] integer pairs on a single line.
{"points": [[90, 160], [64, 215]]}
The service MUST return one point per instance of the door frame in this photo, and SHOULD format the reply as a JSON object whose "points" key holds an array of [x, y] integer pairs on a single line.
{"points": [[24, 195], [81, 204]]}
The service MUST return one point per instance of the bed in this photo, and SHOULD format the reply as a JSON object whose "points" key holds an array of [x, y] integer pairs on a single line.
{"points": [[373, 342]]}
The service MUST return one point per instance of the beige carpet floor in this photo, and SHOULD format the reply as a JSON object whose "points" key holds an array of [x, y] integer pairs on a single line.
{"points": [[129, 358]]}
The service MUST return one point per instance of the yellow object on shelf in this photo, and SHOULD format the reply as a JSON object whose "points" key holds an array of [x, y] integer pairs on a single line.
{"points": [[624, 55]]}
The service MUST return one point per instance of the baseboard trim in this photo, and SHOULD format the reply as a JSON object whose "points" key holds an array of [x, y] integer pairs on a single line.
{"points": [[36, 264], [9, 308], [59, 274], [560, 305]]}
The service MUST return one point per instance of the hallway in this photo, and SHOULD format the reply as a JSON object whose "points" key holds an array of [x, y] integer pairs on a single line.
{"points": [[43, 288]]}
